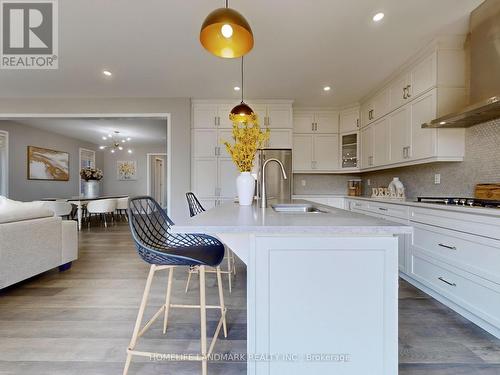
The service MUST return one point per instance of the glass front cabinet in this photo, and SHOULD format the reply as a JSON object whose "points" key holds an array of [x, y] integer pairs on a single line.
{"points": [[349, 150]]}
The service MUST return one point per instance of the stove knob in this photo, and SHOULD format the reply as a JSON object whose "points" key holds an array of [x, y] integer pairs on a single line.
{"points": [[470, 202]]}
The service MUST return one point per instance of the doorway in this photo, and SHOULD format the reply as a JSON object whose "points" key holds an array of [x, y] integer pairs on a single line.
{"points": [[156, 172], [4, 163]]}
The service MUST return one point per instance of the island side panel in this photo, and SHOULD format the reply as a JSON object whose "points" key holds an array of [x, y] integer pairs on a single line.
{"points": [[323, 304]]}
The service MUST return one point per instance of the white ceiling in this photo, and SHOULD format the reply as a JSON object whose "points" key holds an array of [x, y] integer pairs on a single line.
{"points": [[142, 131], [152, 48]]}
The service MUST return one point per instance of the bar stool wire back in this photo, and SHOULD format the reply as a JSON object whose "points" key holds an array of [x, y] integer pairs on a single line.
{"points": [[164, 250], [196, 208]]}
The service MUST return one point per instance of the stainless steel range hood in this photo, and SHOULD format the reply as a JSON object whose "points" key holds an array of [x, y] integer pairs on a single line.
{"points": [[484, 93]]}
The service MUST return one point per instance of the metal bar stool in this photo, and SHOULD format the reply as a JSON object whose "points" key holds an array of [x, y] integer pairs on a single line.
{"points": [[196, 208], [150, 227]]}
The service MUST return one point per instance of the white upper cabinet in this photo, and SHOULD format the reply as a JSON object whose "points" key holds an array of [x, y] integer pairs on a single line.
{"points": [[303, 122], [317, 122], [367, 147], [381, 142], [381, 104], [302, 152], [279, 116], [228, 172], [315, 153], [429, 87], [398, 91], [205, 115], [423, 76], [349, 120], [212, 115], [274, 115], [204, 143], [327, 122], [326, 156], [400, 137], [280, 138]]}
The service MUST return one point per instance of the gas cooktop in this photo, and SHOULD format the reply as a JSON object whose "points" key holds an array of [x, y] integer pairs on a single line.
{"points": [[472, 202]]}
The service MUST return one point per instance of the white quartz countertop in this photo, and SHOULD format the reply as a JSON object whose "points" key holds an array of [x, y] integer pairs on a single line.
{"points": [[446, 207], [233, 218]]}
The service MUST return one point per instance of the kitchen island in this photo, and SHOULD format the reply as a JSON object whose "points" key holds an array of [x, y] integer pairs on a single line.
{"points": [[321, 287]]}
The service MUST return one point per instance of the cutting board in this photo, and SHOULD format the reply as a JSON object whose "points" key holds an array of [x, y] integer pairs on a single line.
{"points": [[487, 191]]}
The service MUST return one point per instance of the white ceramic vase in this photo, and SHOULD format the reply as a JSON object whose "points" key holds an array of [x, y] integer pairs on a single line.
{"points": [[245, 185], [396, 188], [91, 189]]}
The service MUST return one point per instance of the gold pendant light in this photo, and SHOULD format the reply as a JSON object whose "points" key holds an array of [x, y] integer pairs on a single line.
{"points": [[242, 112], [226, 33]]}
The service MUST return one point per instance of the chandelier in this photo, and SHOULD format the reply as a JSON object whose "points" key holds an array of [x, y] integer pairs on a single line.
{"points": [[116, 142]]}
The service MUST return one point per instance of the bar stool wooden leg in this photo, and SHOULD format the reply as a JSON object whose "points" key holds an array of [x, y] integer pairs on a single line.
{"points": [[167, 298], [203, 321], [140, 315], [190, 272], [229, 271], [221, 301]]}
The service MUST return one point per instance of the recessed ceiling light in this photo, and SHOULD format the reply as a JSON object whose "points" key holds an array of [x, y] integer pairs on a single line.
{"points": [[129, 151], [123, 141], [442, 123], [378, 17], [327, 88], [102, 147], [129, 139], [236, 88], [104, 138], [107, 73], [109, 135]]}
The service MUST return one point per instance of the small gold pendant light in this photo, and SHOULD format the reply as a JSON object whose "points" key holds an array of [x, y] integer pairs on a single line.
{"points": [[226, 33], [242, 112]]}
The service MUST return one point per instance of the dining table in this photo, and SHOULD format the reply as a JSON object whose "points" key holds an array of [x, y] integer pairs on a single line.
{"points": [[81, 201]]}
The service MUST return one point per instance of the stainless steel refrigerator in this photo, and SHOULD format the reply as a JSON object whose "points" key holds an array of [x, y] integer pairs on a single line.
{"points": [[276, 186]]}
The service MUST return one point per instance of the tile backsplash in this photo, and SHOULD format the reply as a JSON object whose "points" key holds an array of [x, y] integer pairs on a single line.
{"points": [[481, 165]]}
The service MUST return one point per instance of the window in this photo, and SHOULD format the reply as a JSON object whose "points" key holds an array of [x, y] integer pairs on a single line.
{"points": [[4, 163], [87, 160]]}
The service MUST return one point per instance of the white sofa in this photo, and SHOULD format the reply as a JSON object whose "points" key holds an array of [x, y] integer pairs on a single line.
{"points": [[33, 240]]}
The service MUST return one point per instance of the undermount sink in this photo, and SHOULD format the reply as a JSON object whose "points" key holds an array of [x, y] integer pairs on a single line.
{"points": [[294, 207]]}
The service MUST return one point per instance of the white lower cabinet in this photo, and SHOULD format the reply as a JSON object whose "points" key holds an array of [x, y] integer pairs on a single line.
{"points": [[454, 256]]}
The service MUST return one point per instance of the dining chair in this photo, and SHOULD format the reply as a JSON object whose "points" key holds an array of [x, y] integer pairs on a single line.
{"points": [[121, 207], [101, 208], [196, 208], [164, 250]]}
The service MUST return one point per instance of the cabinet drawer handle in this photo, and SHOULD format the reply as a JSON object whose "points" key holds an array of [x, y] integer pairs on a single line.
{"points": [[408, 95], [404, 93], [446, 281], [383, 209], [447, 246]]}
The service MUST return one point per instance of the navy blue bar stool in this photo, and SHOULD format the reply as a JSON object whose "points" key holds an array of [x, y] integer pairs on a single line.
{"points": [[164, 250], [196, 208]]}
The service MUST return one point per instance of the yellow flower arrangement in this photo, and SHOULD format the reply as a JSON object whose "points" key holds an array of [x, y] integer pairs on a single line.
{"points": [[248, 138]]}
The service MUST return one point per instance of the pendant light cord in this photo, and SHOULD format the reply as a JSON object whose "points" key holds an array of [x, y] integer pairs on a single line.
{"points": [[242, 84], [226, 4]]}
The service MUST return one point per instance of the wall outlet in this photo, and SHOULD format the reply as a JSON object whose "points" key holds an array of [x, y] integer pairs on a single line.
{"points": [[369, 182], [303, 182], [437, 179]]}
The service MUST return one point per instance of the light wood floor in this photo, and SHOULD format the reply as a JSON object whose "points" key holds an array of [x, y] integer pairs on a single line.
{"points": [[80, 321]]}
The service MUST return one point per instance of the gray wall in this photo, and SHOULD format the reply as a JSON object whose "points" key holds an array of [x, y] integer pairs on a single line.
{"points": [[20, 137], [110, 183], [179, 108], [481, 165]]}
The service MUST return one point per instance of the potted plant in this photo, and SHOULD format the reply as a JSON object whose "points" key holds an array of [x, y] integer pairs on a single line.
{"points": [[91, 177], [248, 138]]}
